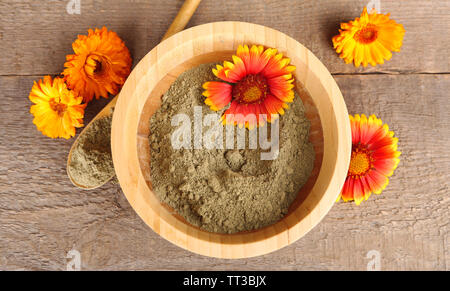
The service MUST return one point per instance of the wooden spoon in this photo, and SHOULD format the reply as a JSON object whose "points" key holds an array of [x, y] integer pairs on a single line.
{"points": [[178, 24]]}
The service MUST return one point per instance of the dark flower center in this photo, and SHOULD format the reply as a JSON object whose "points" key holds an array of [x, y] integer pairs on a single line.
{"points": [[366, 35], [96, 65], [361, 161], [59, 108], [251, 89]]}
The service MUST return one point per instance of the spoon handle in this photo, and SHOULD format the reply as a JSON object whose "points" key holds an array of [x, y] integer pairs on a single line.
{"points": [[182, 18], [178, 24]]}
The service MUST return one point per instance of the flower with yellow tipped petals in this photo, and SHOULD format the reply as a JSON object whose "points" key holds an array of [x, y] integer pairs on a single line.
{"points": [[57, 110], [369, 39], [374, 158], [257, 85]]}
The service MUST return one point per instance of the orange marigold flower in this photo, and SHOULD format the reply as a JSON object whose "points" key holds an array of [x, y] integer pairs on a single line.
{"points": [[369, 39], [374, 158], [258, 86], [100, 65], [57, 110]]}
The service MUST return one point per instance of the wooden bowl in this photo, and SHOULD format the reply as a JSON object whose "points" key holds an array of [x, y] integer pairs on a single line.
{"points": [[212, 42]]}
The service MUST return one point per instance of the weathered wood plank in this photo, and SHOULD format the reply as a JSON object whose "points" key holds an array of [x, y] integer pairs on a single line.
{"points": [[42, 216], [35, 36]]}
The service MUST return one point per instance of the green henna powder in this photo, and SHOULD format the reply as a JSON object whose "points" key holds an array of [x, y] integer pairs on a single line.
{"points": [[91, 162], [220, 190]]}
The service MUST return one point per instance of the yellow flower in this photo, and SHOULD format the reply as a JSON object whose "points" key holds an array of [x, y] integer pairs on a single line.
{"points": [[369, 39], [57, 110], [100, 65]]}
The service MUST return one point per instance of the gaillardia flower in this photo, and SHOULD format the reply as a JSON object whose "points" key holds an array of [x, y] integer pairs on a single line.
{"points": [[374, 158], [258, 84], [100, 65], [57, 110], [369, 39]]}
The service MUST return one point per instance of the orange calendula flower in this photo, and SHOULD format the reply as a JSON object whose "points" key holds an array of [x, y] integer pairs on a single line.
{"points": [[258, 84], [369, 39], [100, 65], [374, 158], [57, 110]]}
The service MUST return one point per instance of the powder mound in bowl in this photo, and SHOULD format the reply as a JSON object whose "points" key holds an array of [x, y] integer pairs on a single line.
{"points": [[91, 163], [226, 190]]}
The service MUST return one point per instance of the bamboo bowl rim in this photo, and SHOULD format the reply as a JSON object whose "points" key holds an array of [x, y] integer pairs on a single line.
{"points": [[153, 75]]}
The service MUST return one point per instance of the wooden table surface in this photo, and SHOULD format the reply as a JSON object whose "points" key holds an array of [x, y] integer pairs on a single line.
{"points": [[43, 217]]}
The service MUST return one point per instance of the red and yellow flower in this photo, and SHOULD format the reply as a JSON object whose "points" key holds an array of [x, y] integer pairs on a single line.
{"points": [[369, 39], [374, 158], [57, 110], [257, 86], [100, 65]]}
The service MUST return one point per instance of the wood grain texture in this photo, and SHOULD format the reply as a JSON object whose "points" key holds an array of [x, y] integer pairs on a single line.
{"points": [[183, 17], [41, 219], [35, 36]]}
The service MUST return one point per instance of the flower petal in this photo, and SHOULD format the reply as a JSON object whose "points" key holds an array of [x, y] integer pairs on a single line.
{"points": [[277, 66], [281, 87], [218, 94], [274, 105], [347, 191], [358, 191], [222, 73]]}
